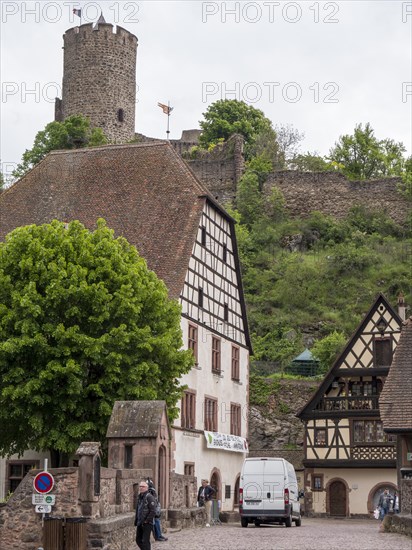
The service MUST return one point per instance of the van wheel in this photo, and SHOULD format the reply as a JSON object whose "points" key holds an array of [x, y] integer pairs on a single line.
{"points": [[288, 521], [257, 523], [244, 522], [298, 521]]}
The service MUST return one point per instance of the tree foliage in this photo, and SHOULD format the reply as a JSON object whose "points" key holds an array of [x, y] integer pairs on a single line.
{"points": [[327, 349], [226, 117], [312, 162], [363, 156], [74, 132], [83, 322]]}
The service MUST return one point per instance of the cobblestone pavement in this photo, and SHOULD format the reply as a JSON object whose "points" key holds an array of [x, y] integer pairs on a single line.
{"points": [[314, 534]]}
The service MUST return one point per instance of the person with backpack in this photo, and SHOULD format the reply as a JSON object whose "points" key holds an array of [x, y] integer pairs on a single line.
{"points": [[145, 513], [157, 528], [384, 503]]}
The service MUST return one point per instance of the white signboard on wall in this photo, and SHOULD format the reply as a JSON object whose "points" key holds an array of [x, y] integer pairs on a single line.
{"points": [[226, 442]]}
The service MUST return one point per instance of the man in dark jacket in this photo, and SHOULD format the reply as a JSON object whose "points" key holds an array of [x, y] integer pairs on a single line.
{"points": [[204, 498], [384, 504], [157, 527], [145, 513]]}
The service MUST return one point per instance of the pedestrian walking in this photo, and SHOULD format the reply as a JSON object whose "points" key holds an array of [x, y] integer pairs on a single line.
{"points": [[145, 513], [385, 501]]}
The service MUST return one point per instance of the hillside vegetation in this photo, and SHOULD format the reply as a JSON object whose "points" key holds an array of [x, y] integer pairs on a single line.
{"points": [[310, 281]]}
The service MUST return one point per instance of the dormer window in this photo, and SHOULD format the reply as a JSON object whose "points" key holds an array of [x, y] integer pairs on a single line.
{"points": [[383, 352]]}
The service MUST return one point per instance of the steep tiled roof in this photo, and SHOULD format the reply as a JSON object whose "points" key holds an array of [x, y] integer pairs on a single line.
{"points": [[146, 193], [136, 419], [395, 401]]}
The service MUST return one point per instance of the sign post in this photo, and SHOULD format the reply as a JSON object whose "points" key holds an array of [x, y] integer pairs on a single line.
{"points": [[43, 483]]}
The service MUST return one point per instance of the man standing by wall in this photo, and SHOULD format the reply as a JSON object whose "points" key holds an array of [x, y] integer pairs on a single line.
{"points": [[204, 498], [145, 513]]}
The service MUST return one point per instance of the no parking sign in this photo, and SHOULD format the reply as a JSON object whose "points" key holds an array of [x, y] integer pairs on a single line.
{"points": [[43, 482]]}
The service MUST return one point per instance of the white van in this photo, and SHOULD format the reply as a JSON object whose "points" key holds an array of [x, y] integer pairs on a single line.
{"points": [[268, 492]]}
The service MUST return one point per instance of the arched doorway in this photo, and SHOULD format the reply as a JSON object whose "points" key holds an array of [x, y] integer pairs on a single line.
{"points": [[337, 498], [215, 483], [161, 476], [236, 493]]}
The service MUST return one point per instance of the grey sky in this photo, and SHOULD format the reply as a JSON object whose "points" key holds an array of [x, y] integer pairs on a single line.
{"points": [[320, 66]]}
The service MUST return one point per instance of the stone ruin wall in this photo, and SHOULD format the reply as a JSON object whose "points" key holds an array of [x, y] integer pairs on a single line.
{"points": [[327, 192], [333, 194]]}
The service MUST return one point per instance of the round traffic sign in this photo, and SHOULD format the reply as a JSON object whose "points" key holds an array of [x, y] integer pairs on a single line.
{"points": [[43, 482]]}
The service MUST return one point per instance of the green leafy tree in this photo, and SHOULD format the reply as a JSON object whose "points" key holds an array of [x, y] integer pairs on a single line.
{"points": [[311, 162], [363, 156], [327, 349], [83, 322], [230, 116], [249, 201], [74, 132]]}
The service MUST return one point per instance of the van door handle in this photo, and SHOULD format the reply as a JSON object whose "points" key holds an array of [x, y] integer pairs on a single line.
{"points": [[267, 495]]}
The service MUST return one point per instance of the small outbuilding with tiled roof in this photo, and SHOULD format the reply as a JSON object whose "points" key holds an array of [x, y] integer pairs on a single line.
{"points": [[139, 437]]}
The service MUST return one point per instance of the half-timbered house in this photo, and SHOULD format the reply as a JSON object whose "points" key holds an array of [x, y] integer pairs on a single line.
{"points": [[349, 458], [147, 194]]}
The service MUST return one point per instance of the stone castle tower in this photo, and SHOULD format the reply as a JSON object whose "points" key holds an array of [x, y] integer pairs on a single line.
{"points": [[99, 78]]}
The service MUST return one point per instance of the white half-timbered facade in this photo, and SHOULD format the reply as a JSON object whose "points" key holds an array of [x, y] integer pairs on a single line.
{"points": [[214, 326], [349, 459]]}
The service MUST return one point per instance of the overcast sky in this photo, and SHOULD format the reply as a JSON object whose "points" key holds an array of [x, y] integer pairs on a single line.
{"points": [[321, 66]]}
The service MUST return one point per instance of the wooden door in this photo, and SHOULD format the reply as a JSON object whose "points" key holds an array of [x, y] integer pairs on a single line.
{"points": [[337, 499]]}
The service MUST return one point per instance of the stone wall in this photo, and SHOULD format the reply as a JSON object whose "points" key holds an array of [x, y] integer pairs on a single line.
{"points": [[333, 194], [328, 192], [398, 523], [406, 499], [183, 491], [220, 169], [110, 526], [20, 525], [99, 78], [183, 511]]}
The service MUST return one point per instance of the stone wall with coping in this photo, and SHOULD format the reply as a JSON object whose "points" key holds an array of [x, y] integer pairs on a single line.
{"points": [[183, 491], [110, 526], [20, 525]]}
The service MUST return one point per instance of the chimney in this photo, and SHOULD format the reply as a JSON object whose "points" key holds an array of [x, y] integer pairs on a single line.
{"points": [[402, 307]]}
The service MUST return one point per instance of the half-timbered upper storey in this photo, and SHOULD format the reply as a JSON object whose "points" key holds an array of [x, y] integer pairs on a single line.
{"points": [[342, 421], [212, 294]]}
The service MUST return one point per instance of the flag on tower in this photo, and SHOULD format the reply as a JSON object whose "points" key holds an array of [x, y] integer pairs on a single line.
{"points": [[166, 108], [78, 13]]}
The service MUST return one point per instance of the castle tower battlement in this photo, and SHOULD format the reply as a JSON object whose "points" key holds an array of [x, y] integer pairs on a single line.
{"points": [[99, 78]]}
